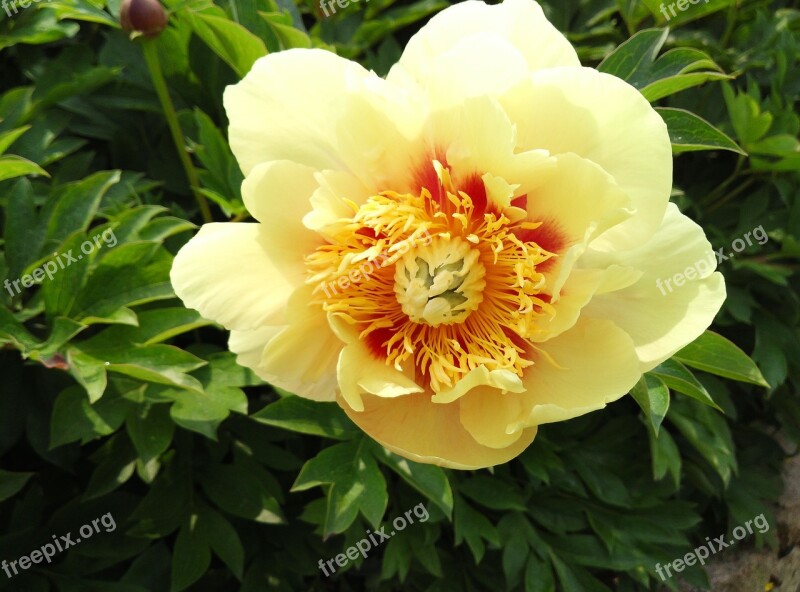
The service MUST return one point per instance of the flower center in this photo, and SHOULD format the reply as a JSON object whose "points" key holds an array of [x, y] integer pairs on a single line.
{"points": [[440, 283], [437, 283]]}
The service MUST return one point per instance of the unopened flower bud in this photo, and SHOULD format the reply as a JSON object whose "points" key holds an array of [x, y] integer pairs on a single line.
{"points": [[142, 16]]}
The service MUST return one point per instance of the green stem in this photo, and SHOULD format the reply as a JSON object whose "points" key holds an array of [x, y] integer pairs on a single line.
{"points": [[151, 57]]}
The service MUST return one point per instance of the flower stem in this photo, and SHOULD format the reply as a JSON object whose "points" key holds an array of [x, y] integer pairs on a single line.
{"points": [[151, 57]]}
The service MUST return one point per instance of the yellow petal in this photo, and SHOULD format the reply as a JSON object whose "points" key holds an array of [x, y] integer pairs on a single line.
{"points": [[513, 36], [416, 428], [226, 274], [490, 416], [360, 373], [596, 364], [607, 121], [314, 119], [278, 194], [504, 380], [287, 357], [683, 312]]}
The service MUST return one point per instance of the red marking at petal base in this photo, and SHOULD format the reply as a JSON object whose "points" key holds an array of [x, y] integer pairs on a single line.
{"points": [[521, 202], [375, 342], [425, 176], [474, 187]]}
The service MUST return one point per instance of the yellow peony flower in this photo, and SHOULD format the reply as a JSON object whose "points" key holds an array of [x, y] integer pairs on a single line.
{"points": [[460, 252]]}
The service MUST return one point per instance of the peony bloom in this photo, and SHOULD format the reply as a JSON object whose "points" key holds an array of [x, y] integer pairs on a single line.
{"points": [[460, 252]]}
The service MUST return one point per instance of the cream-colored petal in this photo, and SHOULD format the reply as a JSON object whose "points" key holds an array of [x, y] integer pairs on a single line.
{"points": [[659, 320], [418, 429], [317, 109], [508, 34], [580, 371], [278, 194], [483, 64], [299, 357], [226, 274], [578, 200], [607, 121], [490, 416]]}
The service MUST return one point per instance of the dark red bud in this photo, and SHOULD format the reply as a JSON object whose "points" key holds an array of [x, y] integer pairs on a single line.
{"points": [[142, 16]]}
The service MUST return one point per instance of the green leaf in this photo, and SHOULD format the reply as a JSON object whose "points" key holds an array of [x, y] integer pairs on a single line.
{"points": [[11, 483], [679, 378], [473, 527], [150, 429], [670, 13], [678, 69], [16, 166], [191, 556], [75, 418], [689, 132], [9, 137], [117, 463], [356, 484], [430, 480], [237, 490], [75, 205], [492, 493], [81, 10], [126, 275], [747, 118], [538, 575], [287, 34], [222, 538], [708, 432], [23, 234], [162, 364], [234, 44], [202, 412], [652, 395], [714, 354], [308, 417], [665, 456]]}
